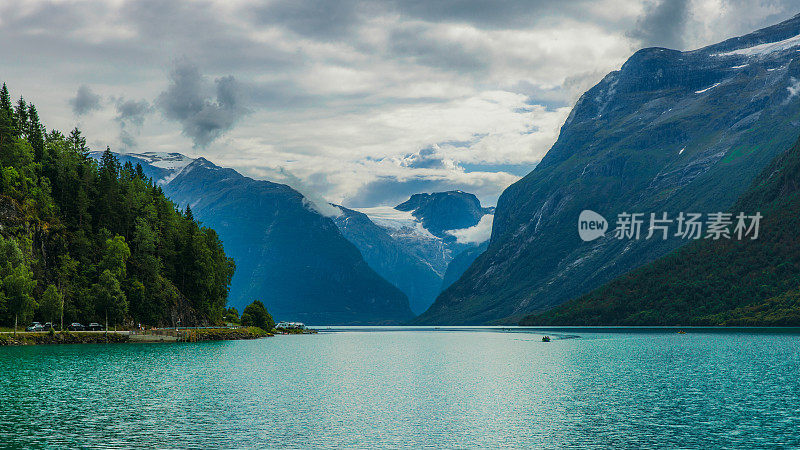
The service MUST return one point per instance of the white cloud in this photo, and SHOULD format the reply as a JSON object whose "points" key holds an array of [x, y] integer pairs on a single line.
{"points": [[340, 95], [311, 198], [477, 234]]}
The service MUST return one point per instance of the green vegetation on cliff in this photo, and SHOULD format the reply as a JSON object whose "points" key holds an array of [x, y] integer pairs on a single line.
{"points": [[96, 240]]}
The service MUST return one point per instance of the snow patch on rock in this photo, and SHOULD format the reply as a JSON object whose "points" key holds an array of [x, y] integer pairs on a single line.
{"points": [[708, 88], [764, 49]]}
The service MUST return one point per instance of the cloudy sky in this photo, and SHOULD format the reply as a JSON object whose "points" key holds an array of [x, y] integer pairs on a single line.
{"points": [[362, 102]]}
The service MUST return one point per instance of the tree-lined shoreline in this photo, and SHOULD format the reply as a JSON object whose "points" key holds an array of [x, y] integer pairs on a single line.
{"points": [[96, 241]]}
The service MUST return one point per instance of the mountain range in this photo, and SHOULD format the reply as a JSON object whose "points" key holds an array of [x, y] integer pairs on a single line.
{"points": [[349, 268], [670, 131], [287, 254]]}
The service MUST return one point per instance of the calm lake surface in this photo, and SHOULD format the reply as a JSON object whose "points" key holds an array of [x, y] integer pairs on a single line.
{"points": [[401, 388]]}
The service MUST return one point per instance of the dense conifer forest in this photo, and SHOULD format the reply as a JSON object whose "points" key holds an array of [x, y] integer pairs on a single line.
{"points": [[96, 240]]}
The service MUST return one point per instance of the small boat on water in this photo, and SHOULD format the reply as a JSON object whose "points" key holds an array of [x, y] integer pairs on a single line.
{"points": [[681, 332], [545, 338]]}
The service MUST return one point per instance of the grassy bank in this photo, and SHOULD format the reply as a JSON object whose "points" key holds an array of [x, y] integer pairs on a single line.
{"points": [[194, 335], [163, 335], [66, 337], [221, 334]]}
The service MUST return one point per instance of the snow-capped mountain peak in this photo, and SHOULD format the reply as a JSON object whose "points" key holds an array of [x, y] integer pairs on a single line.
{"points": [[162, 167], [163, 160]]}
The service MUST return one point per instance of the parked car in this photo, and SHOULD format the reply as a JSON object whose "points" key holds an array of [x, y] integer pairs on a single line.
{"points": [[75, 326], [35, 326], [49, 325], [94, 327]]}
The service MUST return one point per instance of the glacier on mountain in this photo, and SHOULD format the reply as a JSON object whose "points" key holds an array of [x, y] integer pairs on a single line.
{"points": [[764, 49]]}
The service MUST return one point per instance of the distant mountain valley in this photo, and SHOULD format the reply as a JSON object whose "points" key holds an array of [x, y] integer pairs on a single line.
{"points": [[306, 266]]}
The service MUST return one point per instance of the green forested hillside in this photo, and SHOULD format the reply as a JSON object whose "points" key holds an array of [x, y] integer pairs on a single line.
{"points": [[98, 238], [725, 282]]}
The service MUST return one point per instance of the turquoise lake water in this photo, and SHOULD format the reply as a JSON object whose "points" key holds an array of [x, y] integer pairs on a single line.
{"points": [[399, 388]]}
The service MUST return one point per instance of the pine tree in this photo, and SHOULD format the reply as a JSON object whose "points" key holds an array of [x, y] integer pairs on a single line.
{"points": [[21, 113], [109, 165], [35, 133], [140, 172], [6, 118], [109, 206], [78, 142], [128, 172], [5, 100]]}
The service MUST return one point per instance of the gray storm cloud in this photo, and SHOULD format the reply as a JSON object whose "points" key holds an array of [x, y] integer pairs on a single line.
{"points": [[187, 101], [130, 117], [132, 112], [85, 101], [663, 25]]}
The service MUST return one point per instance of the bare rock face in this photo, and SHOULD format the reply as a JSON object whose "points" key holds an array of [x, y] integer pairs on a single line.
{"points": [[10, 214], [182, 314]]}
